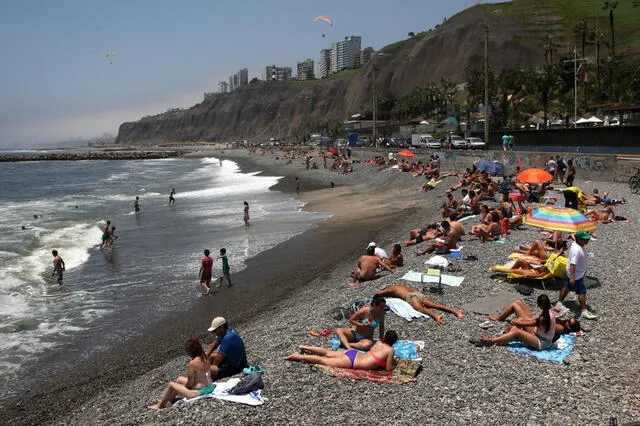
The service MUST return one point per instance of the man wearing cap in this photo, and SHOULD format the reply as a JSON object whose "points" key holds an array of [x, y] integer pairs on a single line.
{"points": [[576, 270], [227, 353]]}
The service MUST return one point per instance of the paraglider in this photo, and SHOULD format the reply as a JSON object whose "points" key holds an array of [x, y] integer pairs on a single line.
{"points": [[110, 55], [325, 18]]}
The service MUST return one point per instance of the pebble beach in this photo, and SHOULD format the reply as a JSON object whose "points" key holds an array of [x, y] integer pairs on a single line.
{"points": [[459, 383]]}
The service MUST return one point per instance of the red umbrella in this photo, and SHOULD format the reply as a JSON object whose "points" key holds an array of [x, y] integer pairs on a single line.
{"points": [[406, 153], [534, 176], [333, 151]]}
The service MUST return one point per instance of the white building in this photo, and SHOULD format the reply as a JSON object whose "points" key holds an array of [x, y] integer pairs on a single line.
{"points": [[324, 65], [345, 54], [274, 73], [239, 79], [223, 87]]}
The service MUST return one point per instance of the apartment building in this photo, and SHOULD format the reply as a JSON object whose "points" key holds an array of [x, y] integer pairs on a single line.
{"points": [[305, 70], [274, 73]]}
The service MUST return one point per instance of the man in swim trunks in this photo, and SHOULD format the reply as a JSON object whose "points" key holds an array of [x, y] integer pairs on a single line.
{"points": [[419, 301], [366, 268], [172, 200], [58, 266], [605, 215], [206, 265], [450, 237], [136, 205]]}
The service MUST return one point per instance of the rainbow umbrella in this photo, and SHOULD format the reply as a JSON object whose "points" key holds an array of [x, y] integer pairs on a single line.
{"points": [[561, 219], [535, 176]]}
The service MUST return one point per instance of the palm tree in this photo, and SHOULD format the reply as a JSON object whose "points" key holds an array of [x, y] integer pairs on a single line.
{"points": [[549, 48], [582, 29], [610, 6]]}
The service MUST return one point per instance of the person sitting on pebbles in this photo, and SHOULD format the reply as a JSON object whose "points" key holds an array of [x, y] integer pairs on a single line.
{"points": [[197, 382], [379, 357], [535, 331], [604, 215], [366, 268], [364, 323], [419, 301]]}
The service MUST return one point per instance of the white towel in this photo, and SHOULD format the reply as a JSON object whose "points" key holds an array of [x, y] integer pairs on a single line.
{"points": [[419, 277], [403, 309], [221, 392]]}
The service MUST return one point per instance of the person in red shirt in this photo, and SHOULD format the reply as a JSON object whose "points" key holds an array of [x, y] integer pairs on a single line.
{"points": [[206, 264]]}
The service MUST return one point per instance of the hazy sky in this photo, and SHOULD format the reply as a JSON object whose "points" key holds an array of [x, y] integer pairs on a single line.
{"points": [[56, 83]]}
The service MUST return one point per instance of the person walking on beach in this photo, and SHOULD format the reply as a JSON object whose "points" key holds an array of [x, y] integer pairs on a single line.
{"points": [[226, 270], [297, 185], [105, 234], [576, 270], [505, 142], [58, 266], [136, 205], [112, 236], [172, 200], [246, 214], [206, 265]]}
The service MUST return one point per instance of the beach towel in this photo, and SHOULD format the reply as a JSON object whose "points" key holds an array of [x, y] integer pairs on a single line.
{"points": [[557, 353], [404, 349], [403, 309], [221, 392], [405, 372], [419, 277]]}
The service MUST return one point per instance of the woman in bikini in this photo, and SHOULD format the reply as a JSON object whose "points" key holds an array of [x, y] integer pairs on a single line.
{"points": [[197, 382], [379, 357], [364, 323]]}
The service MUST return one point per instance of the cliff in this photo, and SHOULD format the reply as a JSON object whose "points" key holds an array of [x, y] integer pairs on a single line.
{"points": [[264, 110]]}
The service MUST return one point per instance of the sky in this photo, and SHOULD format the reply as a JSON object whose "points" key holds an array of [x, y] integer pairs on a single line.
{"points": [[56, 82]]}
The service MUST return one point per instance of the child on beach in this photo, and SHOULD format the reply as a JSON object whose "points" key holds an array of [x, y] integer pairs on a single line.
{"points": [[226, 270], [206, 265]]}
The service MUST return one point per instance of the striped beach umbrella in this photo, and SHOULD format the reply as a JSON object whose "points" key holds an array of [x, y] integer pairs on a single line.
{"points": [[561, 219]]}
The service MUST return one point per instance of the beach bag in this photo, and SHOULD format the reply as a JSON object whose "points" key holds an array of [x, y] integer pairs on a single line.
{"points": [[249, 383], [557, 265]]}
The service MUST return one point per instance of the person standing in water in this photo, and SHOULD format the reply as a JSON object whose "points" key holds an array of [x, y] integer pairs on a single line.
{"points": [[106, 234], [172, 200], [297, 185], [136, 205], [226, 271], [206, 265], [58, 266], [246, 214]]}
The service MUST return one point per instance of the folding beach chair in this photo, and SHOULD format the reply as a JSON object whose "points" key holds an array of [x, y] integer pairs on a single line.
{"points": [[434, 272]]}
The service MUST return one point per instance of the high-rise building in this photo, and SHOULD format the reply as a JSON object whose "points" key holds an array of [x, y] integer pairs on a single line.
{"points": [[223, 87], [366, 55], [344, 53], [305, 70], [274, 73], [239, 79], [324, 65]]}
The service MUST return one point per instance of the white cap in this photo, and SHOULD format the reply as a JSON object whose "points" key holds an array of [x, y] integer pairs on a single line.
{"points": [[372, 244], [217, 323]]}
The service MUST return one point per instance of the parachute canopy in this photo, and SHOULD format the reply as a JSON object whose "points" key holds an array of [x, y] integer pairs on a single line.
{"points": [[110, 54], [325, 18]]}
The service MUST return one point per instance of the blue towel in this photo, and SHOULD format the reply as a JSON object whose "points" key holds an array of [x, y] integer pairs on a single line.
{"points": [[403, 348], [552, 354], [455, 254]]}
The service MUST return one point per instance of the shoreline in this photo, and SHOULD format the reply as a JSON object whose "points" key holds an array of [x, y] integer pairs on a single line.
{"points": [[162, 342], [460, 384]]}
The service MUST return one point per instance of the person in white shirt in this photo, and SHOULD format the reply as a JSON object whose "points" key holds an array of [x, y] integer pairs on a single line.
{"points": [[551, 167], [576, 270]]}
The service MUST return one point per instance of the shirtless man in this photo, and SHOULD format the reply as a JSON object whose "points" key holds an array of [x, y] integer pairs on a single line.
{"points": [[396, 258], [416, 236], [605, 215], [58, 266], [366, 269], [450, 237], [419, 301], [106, 234], [172, 200]]}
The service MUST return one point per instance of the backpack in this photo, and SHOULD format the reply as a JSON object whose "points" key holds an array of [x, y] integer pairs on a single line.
{"points": [[249, 383]]}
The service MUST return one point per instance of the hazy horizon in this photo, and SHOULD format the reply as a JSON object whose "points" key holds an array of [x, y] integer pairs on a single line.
{"points": [[60, 83]]}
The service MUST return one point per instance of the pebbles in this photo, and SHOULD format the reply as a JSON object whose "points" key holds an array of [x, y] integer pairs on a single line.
{"points": [[460, 384]]}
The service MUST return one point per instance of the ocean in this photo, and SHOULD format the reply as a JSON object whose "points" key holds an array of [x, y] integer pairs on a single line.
{"points": [[110, 295]]}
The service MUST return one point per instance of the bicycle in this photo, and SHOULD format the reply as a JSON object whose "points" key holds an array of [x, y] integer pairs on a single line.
{"points": [[634, 181]]}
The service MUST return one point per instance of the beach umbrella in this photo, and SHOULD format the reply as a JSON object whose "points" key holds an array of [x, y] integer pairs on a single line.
{"points": [[406, 153], [563, 219], [492, 167], [535, 176], [333, 151]]}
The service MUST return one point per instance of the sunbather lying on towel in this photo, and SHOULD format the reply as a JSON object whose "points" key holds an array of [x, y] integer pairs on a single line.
{"points": [[451, 237], [379, 357], [537, 249], [197, 382], [418, 235], [419, 301], [524, 268], [364, 323], [605, 215], [536, 331]]}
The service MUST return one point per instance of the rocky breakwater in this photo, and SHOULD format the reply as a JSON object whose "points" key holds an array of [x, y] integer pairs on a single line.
{"points": [[98, 155]]}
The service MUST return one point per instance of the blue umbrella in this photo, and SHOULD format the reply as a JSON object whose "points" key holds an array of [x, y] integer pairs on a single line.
{"points": [[492, 167]]}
